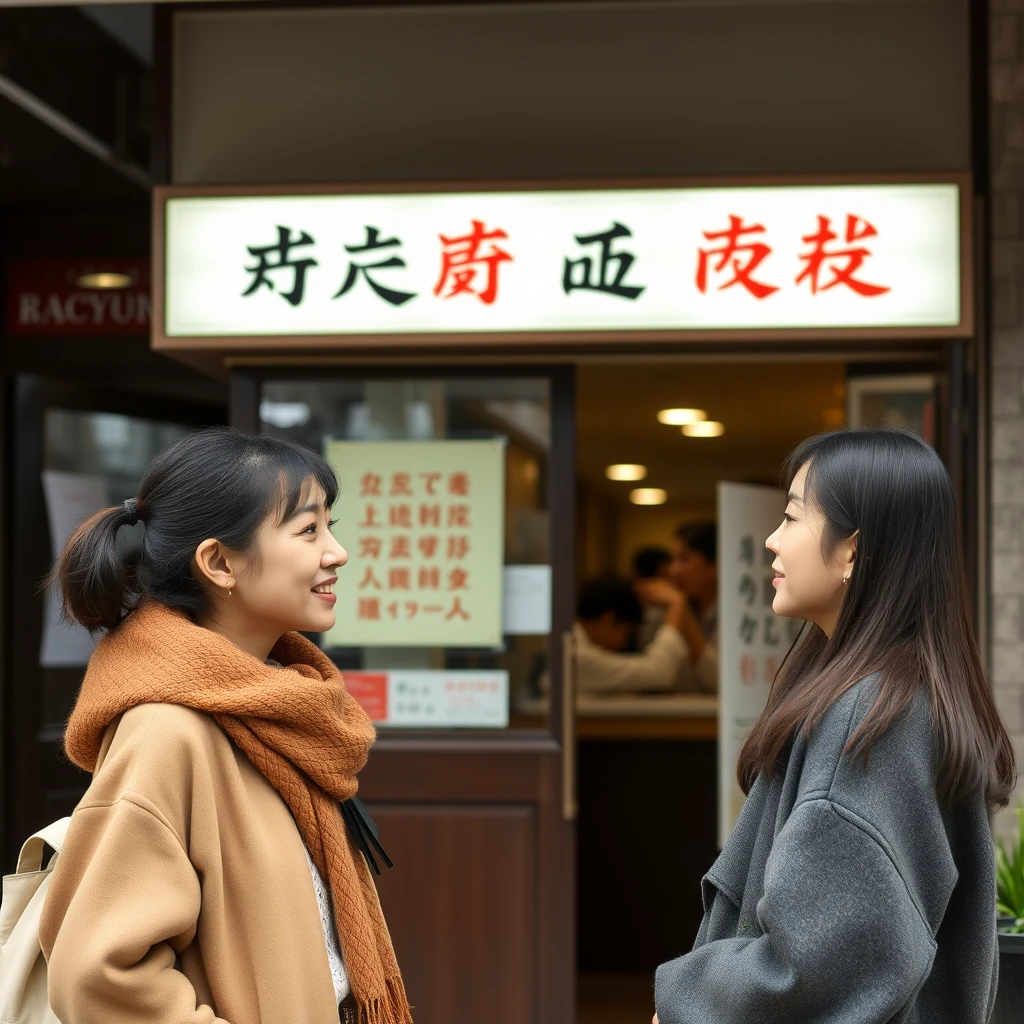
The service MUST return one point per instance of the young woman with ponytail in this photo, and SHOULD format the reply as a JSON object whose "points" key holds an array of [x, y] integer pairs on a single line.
{"points": [[858, 884], [217, 870]]}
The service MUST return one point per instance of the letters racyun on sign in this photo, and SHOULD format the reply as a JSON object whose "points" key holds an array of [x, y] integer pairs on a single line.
{"points": [[824, 256]]}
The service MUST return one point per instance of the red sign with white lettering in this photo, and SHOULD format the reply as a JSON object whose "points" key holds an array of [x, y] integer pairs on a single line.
{"points": [[44, 297]]}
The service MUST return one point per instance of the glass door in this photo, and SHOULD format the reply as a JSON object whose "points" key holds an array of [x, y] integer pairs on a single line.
{"points": [[456, 507]]}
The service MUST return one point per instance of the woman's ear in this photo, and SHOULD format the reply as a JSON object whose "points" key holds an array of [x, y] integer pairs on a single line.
{"points": [[218, 566], [849, 554]]}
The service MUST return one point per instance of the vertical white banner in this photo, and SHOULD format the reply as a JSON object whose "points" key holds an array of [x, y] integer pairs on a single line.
{"points": [[753, 640]]}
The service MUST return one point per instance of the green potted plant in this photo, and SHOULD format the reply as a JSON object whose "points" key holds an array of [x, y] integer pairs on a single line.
{"points": [[1010, 924]]}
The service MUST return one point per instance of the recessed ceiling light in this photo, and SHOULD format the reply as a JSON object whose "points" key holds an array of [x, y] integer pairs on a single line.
{"points": [[104, 279], [626, 471], [709, 428], [648, 496], [677, 417]]}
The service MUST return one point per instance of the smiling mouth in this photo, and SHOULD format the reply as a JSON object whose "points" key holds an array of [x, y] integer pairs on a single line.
{"points": [[325, 588]]}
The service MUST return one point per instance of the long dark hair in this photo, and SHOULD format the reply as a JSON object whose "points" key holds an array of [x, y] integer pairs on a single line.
{"points": [[218, 482], [905, 613]]}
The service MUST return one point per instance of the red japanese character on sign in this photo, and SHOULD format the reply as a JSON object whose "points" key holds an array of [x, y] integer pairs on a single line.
{"points": [[458, 484], [430, 579], [368, 608], [428, 545], [431, 482], [458, 547], [399, 579], [857, 229], [370, 547], [748, 669], [430, 515], [462, 259], [411, 608], [393, 609], [458, 579], [369, 486], [400, 516], [730, 252], [369, 579], [433, 609], [771, 669], [458, 516], [401, 547], [371, 522], [401, 485], [457, 611]]}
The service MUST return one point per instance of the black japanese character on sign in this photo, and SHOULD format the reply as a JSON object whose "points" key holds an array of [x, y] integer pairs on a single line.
{"points": [[748, 589], [374, 243], [771, 633], [747, 550], [748, 629], [617, 263], [272, 258]]}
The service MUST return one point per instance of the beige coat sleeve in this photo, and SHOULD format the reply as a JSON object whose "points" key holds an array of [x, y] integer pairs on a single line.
{"points": [[123, 904], [656, 668]]}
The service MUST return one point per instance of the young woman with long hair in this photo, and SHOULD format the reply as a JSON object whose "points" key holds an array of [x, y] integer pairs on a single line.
{"points": [[858, 885], [217, 871]]}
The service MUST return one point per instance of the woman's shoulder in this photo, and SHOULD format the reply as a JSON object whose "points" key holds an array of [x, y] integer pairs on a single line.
{"points": [[154, 746]]}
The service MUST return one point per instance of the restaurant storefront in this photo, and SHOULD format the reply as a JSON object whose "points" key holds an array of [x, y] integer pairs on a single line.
{"points": [[543, 226], [443, 346]]}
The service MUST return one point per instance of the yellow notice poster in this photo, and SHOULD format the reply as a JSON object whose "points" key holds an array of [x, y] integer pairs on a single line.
{"points": [[423, 523]]}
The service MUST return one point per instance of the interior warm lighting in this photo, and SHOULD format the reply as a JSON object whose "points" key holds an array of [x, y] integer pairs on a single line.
{"points": [[648, 496], [677, 417], [833, 417], [626, 471], [709, 428], [105, 279]]}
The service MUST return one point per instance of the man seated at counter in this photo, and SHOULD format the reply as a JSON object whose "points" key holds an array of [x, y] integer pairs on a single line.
{"points": [[694, 574], [608, 614], [651, 563]]}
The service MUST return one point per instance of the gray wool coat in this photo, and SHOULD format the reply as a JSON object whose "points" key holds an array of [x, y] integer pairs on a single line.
{"points": [[845, 895]]}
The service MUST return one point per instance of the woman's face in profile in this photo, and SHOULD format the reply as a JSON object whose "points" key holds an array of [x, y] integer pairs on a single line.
{"points": [[806, 585]]}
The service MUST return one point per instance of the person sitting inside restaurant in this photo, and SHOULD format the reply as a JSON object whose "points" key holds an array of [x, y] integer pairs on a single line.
{"points": [[608, 614], [694, 574], [651, 563]]}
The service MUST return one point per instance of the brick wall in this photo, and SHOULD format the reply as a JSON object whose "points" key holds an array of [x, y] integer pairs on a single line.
{"points": [[1006, 663]]}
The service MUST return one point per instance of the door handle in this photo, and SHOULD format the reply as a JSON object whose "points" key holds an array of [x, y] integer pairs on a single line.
{"points": [[569, 804]]}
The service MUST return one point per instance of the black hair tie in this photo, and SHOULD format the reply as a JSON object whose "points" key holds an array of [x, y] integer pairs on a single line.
{"points": [[131, 507]]}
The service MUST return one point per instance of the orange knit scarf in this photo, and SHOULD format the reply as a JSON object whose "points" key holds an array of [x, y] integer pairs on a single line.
{"points": [[297, 724]]}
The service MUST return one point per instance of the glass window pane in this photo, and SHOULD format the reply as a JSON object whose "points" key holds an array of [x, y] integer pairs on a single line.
{"points": [[447, 684]]}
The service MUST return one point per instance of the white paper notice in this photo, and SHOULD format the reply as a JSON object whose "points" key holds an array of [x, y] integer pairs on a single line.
{"points": [[527, 600], [429, 699], [70, 498]]}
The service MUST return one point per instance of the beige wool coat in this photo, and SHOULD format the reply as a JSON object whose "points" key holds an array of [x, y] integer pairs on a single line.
{"points": [[182, 894]]}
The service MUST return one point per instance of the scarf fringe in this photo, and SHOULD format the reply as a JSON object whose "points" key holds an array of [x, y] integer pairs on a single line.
{"points": [[393, 1008]]}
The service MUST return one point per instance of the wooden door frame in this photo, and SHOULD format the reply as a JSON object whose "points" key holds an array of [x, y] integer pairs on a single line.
{"points": [[528, 764]]}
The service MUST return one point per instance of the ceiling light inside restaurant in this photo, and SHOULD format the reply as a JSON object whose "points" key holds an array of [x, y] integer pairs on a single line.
{"points": [[648, 496], [626, 471], [709, 428], [677, 417], [105, 279]]}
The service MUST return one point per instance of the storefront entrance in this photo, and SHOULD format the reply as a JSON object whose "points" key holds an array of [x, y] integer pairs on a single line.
{"points": [[547, 862]]}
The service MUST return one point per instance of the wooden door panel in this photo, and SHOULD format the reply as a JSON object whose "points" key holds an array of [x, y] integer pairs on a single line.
{"points": [[461, 907]]}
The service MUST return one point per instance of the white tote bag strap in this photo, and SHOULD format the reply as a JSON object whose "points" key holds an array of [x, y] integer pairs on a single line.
{"points": [[31, 858]]}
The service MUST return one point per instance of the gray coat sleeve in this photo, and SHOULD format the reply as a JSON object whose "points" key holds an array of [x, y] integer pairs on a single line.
{"points": [[838, 937]]}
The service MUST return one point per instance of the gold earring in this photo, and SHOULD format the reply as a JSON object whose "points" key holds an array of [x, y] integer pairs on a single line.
{"points": [[846, 579]]}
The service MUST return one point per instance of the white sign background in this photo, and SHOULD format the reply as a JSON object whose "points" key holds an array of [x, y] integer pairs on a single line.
{"points": [[915, 253], [747, 516]]}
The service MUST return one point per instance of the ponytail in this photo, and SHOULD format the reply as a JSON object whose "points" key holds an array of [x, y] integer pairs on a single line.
{"points": [[94, 583]]}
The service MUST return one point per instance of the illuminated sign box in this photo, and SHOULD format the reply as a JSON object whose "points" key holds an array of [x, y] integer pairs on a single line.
{"points": [[483, 264]]}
